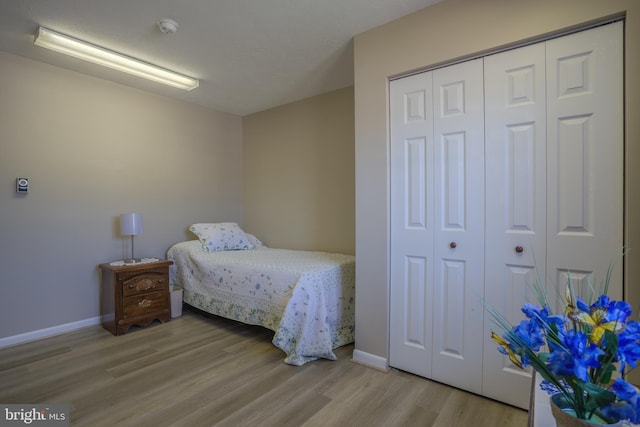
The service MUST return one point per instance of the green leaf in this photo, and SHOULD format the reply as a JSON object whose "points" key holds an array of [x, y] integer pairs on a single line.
{"points": [[598, 396], [611, 342]]}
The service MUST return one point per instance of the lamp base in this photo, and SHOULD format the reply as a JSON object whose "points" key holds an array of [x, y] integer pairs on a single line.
{"points": [[131, 261]]}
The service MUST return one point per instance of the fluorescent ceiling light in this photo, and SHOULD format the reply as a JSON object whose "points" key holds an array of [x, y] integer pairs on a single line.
{"points": [[101, 56]]}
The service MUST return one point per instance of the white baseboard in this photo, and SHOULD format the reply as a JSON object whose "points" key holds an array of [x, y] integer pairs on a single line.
{"points": [[370, 360], [47, 332]]}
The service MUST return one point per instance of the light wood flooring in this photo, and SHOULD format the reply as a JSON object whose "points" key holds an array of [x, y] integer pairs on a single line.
{"points": [[201, 370]]}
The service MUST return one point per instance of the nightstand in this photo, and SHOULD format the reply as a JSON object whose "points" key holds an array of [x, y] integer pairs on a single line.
{"points": [[134, 294]]}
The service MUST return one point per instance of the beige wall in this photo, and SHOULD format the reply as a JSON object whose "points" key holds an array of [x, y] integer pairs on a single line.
{"points": [[299, 190], [93, 150], [439, 34]]}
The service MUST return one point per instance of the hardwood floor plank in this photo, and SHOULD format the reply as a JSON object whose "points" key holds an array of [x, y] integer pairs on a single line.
{"points": [[200, 370]]}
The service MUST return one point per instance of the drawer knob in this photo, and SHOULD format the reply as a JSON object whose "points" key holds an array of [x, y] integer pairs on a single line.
{"points": [[519, 249], [144, 303], [453, 245], [160, 280]]}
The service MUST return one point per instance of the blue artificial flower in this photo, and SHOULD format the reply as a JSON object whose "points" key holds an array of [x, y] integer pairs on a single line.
{"points": [[628, 406], [618, 311], [620, 411], [530, 333], [561, 362], [576, 357], [542, 315], [584, 307], [624, 390], [628, 348], [530, 310], [548, 387]]}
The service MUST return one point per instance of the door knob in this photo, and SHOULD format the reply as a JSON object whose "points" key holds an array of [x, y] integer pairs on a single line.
{"points": [[452, 245], [519, 249]]}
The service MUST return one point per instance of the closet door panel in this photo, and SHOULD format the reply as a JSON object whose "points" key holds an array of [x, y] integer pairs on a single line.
{"points": [[585, 146], [411, 285], [458, 225], [515, 242]]}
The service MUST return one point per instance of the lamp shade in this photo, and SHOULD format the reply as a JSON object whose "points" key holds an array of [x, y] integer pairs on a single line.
{"points": [[131, 224]]}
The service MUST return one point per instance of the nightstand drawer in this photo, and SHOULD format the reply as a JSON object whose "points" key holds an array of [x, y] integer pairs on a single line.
{"points": [[144, 283], [140, 305]]}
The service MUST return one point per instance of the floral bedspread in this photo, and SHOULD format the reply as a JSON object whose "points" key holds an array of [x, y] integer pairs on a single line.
{"points": [[306, 298]]}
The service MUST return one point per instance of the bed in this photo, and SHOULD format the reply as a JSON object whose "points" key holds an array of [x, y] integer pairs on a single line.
{"points": [[305, 297]]}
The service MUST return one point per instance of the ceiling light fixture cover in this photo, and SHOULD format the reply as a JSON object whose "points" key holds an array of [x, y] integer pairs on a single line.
{"points": [[107, 58]]}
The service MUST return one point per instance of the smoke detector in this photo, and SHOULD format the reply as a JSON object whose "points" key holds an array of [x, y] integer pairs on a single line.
{"points": [[167, 26]]}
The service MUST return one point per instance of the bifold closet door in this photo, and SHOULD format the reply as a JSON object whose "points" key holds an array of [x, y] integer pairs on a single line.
{"points": [[515, 242], [412, 260], [585, 146], [437, 224], [458, 286], [554, 179]]}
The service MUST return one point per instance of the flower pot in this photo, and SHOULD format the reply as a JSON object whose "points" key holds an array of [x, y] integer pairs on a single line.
{"points": [[565, 417]]}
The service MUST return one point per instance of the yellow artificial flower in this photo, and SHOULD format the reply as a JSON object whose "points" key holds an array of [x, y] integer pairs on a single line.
{"points": [[505, 346], [596, 319]]}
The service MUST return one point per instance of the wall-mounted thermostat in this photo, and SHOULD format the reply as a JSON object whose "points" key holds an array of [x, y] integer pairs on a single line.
{"points": [[22, 185]]}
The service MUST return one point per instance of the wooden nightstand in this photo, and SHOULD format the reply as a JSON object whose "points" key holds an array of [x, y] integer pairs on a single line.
{"points": [[134, 294]]}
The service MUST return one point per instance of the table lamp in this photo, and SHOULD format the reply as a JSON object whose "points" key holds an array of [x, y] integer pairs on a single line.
{"points": [[131, 225]]}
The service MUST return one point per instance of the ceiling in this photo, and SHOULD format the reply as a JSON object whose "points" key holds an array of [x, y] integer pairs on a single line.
{"points": [[249, 55]]}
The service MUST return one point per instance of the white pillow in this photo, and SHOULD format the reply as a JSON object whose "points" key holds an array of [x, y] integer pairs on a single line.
{"points": [[255, 241], [222, 236]]}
